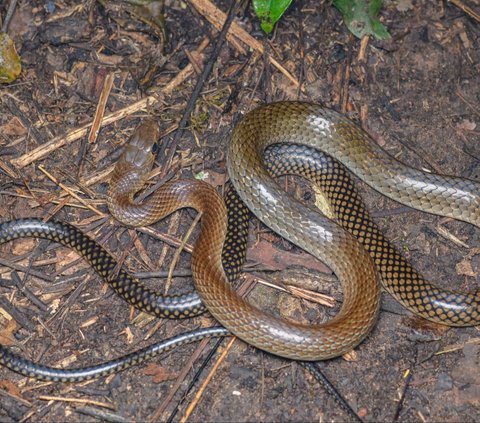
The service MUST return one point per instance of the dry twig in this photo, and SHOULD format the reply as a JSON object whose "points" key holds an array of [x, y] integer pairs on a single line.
{"points": [[216, 17], [76, 134], [468, 10]]}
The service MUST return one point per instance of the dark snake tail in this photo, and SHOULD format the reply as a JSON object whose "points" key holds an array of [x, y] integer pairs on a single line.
{"points": [[129, 288], [233, 257], [30, 369]]}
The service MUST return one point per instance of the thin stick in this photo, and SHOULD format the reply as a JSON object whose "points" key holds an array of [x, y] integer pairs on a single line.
{"points": [[24, 120], [344, 89], [8, 17], [16, 315], [170, 240], [466, 9], [102, 415], [76, 134], [24, 269], [216, 17], [242, 290], [200, 84], [100, 112], [181, 377], [8, 170], [330, 389], [65, 188], [180, 249], [79, 400], [205, 383]]}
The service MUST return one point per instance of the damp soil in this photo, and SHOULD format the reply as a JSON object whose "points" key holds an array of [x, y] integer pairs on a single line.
{"points": [[417, 94]]}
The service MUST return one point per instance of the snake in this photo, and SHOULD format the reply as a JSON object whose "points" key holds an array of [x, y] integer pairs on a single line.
{"points": [[303, 159], [256, 327], [321, 129]]}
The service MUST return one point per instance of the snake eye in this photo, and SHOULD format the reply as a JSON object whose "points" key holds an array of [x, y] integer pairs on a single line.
{"points": [[155, 148]]}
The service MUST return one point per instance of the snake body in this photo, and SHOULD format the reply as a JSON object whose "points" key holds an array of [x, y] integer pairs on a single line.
{"points": [[325, 130], [398, 277], [263, 330], [314, 129]]}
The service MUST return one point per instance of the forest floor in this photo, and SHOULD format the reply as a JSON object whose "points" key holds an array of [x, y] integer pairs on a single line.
{"points": [[417, 94]]}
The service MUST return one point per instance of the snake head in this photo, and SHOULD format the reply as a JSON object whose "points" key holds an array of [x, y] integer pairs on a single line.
{"points": [[141, 149]]}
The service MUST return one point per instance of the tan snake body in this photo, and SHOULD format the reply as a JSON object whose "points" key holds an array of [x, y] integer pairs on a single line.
{"points": [[313, 127], [328, 131], [265, 331]]}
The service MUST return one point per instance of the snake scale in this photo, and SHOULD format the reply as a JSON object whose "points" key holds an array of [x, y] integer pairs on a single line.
{"points": [[316, 131]]}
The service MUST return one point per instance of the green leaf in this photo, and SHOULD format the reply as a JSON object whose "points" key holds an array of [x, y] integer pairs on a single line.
{"points": [[360, 16], [269, 12]]}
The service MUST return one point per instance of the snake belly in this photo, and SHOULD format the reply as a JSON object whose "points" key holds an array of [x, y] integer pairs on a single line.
{"points": [[329, 132], [287, 339]]}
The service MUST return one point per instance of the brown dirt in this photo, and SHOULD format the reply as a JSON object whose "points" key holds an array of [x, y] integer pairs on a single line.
{"points": [[421, 92]]}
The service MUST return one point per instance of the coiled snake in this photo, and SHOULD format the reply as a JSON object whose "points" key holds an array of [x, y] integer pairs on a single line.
{"points": [[314, 128]]}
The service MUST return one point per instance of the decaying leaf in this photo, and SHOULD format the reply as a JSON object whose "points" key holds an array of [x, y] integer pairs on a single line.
{"points": [[13, 127], [11, 388], [6, 333], [213, 178], [159, 373], [464, 267], [23, 246], [10, 65], [276, 259]]}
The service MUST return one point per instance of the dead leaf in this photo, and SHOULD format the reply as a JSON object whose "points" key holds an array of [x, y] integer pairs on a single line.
{"points": [[159, 373], [465, 268], [432, 329], [127, 331], [232, 69], [113, 60], [23, 246], [468, 394], [362, 412], [466, 125], [11, 388], [213, 178], [6, 333], [404, 5], [13, 128], [276, 259]]}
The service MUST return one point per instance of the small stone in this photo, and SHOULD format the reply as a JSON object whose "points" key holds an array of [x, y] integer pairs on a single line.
{"points": [[444, 382]]}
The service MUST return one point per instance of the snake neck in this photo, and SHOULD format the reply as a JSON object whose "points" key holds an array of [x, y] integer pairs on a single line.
{"points": [[123, 186]]}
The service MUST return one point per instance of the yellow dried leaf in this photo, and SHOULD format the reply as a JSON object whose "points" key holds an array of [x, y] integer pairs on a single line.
{"points": [[10, 65]]}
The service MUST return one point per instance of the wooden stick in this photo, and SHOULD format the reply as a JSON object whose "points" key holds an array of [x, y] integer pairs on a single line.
{"points": [[100, 112], [70, 192], [74, 135], [205, 383], [179, 250], [466, 9], [216, 17], [77, 400], [8, 170]]}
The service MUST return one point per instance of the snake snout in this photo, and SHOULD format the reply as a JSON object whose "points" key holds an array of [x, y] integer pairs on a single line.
{"points": [[140, 150]]}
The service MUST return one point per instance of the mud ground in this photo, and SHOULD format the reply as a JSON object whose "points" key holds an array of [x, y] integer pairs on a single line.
{"points": [[417, 94]]}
